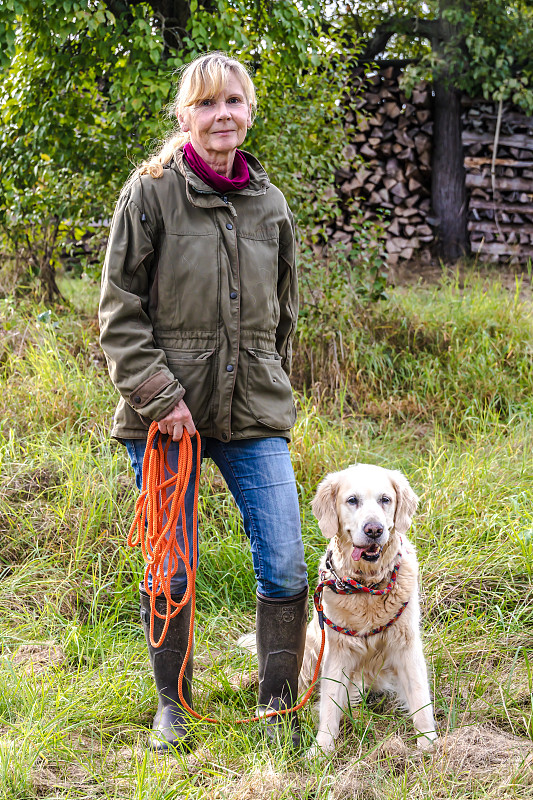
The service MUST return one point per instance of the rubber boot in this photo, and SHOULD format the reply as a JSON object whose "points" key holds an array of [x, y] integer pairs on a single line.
{"points": [[281, 625], [169, 728]]}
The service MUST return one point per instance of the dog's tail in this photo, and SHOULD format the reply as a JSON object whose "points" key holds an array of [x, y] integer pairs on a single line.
{"points": [[248, 642], [312, 648]]}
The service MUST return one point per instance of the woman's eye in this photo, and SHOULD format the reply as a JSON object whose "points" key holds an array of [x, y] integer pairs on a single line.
{"points": [[352, 501], [206, 102]]}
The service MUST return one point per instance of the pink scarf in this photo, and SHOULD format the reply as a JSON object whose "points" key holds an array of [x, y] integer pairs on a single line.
{"points": [[241, 175]]}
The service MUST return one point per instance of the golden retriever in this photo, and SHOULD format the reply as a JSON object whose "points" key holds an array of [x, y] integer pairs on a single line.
{"points": [[365, 511]]}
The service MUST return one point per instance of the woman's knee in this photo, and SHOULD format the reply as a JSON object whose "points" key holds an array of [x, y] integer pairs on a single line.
{"points": [[283, 572]]}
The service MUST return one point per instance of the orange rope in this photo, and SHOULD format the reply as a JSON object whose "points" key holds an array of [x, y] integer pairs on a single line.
{"points": [[157, 512]]}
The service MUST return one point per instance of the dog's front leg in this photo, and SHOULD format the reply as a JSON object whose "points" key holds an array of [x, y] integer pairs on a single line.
{"points": [[412, 677], [333, 699]]}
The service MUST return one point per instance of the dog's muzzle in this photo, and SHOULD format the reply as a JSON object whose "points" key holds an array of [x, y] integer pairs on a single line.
{"points": [[374, 530], [370, 553]]}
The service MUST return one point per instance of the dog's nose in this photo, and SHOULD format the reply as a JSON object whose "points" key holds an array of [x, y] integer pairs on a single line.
{"points": [[373, 529]]}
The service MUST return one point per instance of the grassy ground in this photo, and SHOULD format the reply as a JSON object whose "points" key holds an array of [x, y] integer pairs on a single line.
{"points": [[436, 382]]}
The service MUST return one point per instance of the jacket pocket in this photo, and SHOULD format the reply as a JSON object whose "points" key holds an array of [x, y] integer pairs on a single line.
{"points": [[194, 370], [268, 391]]}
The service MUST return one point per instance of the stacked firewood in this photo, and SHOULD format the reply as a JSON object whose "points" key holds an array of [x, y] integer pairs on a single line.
{"points": [[500, 181], [393, 136], [387, 177]]}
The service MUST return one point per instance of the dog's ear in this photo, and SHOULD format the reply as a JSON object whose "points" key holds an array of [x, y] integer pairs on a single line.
{"points": [[325, 505], [406, 501]]}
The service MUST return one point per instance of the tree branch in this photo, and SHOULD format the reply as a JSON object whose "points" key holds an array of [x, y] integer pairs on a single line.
{"points": [[426, 28]]}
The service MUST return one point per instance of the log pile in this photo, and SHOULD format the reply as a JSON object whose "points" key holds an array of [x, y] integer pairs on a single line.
{"points": [[393, 184], [387, 177], [500, 184]]}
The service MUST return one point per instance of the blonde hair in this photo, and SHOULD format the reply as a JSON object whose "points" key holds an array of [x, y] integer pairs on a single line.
{"points": [[203, 78]]}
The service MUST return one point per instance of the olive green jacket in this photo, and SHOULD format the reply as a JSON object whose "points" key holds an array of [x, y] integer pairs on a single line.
{"points": [[199, 301]]}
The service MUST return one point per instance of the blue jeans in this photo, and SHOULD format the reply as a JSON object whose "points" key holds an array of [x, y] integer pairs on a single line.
{"points": [[260, 477]]}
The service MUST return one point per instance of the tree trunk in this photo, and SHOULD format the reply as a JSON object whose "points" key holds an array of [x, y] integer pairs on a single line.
{"points": [[448, 191], [49, 287]]}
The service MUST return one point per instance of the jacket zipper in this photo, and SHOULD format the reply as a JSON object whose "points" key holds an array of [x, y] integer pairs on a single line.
{"points": [[234, 214]]}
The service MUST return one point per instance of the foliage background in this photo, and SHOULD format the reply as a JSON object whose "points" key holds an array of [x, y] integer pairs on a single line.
{"points": [[83, 99]]}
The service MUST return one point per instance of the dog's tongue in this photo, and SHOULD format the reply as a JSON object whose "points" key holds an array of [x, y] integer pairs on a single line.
{"points": [[357, 553]]}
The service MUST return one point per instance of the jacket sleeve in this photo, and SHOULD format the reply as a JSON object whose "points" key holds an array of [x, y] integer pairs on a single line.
{"points": [[137, 367], [287, 292]]}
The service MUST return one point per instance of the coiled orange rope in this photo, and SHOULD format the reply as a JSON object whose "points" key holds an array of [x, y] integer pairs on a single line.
{"points": [[157, 512]]}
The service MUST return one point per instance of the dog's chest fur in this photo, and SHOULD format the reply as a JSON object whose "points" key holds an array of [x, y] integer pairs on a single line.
{"points": [[362, 611]]}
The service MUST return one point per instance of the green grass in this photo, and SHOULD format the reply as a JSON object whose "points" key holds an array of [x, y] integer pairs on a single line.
{"points": [[450, 355], [436, 382]]}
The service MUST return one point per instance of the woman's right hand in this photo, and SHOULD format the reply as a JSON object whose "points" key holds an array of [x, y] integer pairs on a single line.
{"points": [[176, 420]]}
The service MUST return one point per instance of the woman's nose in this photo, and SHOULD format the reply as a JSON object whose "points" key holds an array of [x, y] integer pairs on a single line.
{"points": [[222, 110]]}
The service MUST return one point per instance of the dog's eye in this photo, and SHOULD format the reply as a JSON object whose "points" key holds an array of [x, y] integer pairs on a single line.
{"points": [[385, 500], [352, 501]]}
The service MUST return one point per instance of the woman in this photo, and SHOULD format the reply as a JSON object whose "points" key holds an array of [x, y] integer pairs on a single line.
{"points": [[197, 313]]}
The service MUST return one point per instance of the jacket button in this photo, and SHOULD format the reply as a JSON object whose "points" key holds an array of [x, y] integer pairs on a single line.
{"points": [[137, 399], [229, 226], [224, 436], [225, 199], [233, 295], [229, 368]]}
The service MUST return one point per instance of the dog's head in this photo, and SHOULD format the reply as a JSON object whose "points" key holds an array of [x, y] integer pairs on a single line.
{"points": [[364, 504]]}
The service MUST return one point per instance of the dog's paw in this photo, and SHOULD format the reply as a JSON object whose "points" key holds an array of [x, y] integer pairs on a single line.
{"points": [[322, 748], [315, 753], [427, 742]]}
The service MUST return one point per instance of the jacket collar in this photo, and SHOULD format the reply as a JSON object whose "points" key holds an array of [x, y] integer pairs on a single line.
{"points": [[201, 194]]}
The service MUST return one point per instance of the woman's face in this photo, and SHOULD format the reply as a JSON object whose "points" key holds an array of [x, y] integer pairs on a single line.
{"points": [[218, 125]]}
